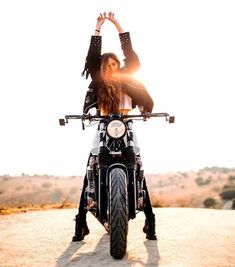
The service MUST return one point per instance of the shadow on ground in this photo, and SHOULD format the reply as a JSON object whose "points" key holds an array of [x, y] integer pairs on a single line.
{"points": [[77, 255]]}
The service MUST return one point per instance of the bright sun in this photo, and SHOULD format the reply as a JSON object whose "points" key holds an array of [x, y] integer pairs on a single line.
{"points": [[140, 76]]}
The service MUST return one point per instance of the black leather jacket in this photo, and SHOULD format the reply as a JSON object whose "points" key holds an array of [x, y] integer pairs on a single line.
{"points": [[132, 88]]}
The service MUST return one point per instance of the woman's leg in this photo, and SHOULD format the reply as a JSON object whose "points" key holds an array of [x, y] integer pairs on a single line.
{"points": [[81, 210], [149, 227], [81, 228]]}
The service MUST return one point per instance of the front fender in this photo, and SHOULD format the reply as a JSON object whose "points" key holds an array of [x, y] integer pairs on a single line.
{"points": [[113, 166]]}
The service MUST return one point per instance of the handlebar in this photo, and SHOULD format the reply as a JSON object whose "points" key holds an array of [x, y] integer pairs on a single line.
{"points": [[144, 115]]}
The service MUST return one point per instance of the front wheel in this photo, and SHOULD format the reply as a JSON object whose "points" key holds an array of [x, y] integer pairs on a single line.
{"points": [[118, 212]]}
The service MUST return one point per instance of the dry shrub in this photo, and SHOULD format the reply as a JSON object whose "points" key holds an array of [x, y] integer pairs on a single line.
{"points": [[159, 202], [46, 185], [209, 202], [67, 204], [231, 178], [183, 201], [20, 187]]}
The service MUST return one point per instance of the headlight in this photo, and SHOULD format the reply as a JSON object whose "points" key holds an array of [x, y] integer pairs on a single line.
{"points": [[116, 129]]}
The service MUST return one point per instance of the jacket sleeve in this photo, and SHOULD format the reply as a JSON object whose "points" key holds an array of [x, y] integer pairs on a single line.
{"points": [[139, 94], [93, 58], [131, 60]]}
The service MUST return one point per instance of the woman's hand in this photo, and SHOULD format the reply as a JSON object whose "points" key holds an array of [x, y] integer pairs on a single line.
{"points": [[100, 21], [112, 18], [115, 22]]}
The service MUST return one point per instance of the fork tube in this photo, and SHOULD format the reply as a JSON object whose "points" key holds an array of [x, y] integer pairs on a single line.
{"points": [[102, 159], [131, 168]]}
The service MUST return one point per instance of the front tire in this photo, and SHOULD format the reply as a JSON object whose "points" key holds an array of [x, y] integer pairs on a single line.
{"points": [[118, 208]]}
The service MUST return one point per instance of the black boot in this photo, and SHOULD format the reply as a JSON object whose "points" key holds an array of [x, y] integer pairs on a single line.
{"points": [[81, 228], [149, 228]]}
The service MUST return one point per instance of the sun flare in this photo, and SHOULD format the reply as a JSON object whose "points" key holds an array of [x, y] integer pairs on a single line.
{"points": [[140, 76]]}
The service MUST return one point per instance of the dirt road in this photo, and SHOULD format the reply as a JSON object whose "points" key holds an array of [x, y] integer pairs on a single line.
{"points": [[186, 238]]}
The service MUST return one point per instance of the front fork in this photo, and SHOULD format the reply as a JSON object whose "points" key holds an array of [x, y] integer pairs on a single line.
{"points": [[90, 192], [136, 194], [141, 193]]}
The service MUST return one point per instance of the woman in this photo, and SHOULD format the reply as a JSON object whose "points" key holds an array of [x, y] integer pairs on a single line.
{"points": [[113, 90]]}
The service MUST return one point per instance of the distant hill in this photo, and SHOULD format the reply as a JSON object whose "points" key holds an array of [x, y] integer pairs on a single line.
{"points": [[178, 189]]}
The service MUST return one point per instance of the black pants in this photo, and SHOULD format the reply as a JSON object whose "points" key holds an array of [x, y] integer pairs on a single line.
{"points": [[82, 211]]}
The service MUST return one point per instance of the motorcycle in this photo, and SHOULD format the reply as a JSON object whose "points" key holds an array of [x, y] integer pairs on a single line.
{"points": [[115, 175]]}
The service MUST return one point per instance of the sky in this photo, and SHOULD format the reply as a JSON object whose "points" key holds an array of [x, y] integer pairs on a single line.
{"points": [[187, 55]]}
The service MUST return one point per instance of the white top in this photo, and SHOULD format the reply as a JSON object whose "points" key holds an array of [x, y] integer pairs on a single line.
{"points": [[126, 102]]}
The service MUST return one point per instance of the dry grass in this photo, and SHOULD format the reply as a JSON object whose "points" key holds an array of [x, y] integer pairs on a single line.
{"points": [[188, 189], [8, 210], [26, 193]]}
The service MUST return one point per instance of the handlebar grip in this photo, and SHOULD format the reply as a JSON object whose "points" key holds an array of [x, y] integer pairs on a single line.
{"points": [[171, 119], [160, 114], [67, 117], [62, 122]]}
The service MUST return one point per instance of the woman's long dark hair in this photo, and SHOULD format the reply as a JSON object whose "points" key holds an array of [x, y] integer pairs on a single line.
{"points": [[109, 93]]}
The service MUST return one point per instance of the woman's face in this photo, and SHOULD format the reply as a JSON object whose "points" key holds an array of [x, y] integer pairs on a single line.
{"points": [[112, 67]]}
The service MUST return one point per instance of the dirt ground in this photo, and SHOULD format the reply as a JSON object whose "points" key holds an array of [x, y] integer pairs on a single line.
{"points": [[187, 237]]}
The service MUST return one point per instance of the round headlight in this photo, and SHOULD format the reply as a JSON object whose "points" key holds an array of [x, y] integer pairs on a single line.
{"points": [[116, 129]]}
